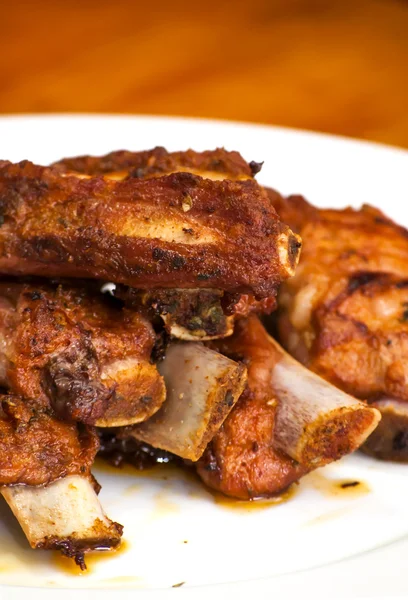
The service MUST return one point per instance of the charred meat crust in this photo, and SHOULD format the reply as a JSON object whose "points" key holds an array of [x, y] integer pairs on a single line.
{"points": [[195, 314], [77, 548], [390, 440], [91, 228], [200, 312], [158, 161], [71, 380], [36, 448]]}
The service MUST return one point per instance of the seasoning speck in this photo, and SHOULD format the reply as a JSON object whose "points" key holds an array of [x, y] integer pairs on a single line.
{"points": [[349, 484], [176, 585]]}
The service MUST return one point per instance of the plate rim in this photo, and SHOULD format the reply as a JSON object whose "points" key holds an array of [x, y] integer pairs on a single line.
{"points": [[303, 132]]}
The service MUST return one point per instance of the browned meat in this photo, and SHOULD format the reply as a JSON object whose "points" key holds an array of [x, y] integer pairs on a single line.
{"points": [[213, 164], [241, 460], [188, 314], [69, 349], [36, 448], [344, 313], [178, 230], [286, 423]]}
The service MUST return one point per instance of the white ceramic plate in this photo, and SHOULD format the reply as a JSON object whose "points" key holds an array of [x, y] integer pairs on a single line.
{"points": [[318, 542]]}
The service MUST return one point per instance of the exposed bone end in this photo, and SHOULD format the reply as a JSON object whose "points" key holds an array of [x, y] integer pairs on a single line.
{"points": [[188, 335], [202, 387], [66, 515], [316, 423], [139, 392], [336, 434], [390, 440]]}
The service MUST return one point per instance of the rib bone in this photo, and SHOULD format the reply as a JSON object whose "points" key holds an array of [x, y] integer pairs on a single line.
{"points": [[316, 423], [66, 515], [202, 387]]}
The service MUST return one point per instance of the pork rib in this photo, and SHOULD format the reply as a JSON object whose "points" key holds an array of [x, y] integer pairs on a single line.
{"points": [[65, 515], [286, 423], [174, 231], [72, 351], [193, 314]]}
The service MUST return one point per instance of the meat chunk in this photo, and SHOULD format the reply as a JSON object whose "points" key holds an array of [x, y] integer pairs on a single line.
{"points": [[344, 313], [72, 351], [36, 448], [286, 423], [175, 231]]}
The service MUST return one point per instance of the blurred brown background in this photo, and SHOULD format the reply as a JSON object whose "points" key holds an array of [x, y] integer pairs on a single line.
{"points": [[338, 66]]}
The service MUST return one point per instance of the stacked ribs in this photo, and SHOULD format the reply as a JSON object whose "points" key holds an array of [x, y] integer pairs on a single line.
{"points": [[176, 357]]}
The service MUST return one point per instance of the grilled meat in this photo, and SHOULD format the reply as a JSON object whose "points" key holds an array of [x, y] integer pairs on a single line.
{"points": [[175, 231], [286, 423], [194, 313], [36, 448], [70, 350], [344, 313]]}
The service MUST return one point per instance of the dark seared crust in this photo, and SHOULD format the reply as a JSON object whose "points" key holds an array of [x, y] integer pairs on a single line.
{"points": [[156, 162], [77, 548], [36, 448], [118, 451], [203, 311], [61, 347], [241, 460], [68, 227], [389, 441], [195, 310]]}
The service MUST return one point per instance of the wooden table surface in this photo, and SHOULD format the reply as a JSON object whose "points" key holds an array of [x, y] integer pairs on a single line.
{"points": [[336, 65]]}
